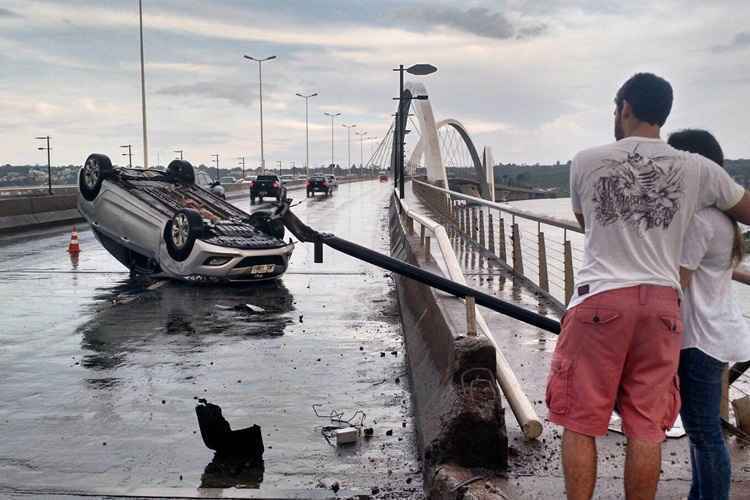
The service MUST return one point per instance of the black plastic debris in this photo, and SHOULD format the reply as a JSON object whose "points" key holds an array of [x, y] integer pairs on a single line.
{"points": [[218, 435]]}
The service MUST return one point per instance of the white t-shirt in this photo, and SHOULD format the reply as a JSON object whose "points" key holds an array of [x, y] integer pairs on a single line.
{"points": [[713, 319], [637, 197]]}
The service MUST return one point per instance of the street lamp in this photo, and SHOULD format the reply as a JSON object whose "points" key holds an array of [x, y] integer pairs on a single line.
{"points": [[307, 132], [260, 84], [180, 152], [348, 144], [143, 89], [417, 70], [242, 162], [49, 164], [361, 135], [129, 154], [279, 163], [332, 115], [216, 159]]}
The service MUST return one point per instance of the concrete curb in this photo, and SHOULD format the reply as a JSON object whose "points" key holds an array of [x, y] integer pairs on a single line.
{"points": [[460, 419]]}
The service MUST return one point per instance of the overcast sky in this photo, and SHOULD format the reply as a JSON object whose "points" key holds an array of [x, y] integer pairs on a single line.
{"points": [[532, 79]]}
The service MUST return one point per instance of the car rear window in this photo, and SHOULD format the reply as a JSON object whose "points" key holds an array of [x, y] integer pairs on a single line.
{"points": [[267, 177]]}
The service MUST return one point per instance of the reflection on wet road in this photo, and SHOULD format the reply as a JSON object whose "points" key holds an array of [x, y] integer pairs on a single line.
{"points": [[99, 374]]}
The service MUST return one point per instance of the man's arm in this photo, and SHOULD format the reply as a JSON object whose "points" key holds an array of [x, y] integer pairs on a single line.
{"points": [[579, 218], [685, 277], [741, 211], [741, 276]]}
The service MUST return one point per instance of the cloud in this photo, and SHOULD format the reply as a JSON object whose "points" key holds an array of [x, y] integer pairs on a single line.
{"points": [[235, 93], [5, 13], [477, 20], [740, 41]]}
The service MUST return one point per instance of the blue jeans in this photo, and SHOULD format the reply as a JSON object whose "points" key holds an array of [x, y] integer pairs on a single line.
{"points": [[700, 379]]}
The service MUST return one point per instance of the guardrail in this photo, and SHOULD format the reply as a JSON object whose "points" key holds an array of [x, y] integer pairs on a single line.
{"points": [[536, 249], [543, 251], [522, 408]]}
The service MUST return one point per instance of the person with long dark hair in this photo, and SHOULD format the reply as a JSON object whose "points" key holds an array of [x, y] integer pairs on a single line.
{"points": [[715, 330]]}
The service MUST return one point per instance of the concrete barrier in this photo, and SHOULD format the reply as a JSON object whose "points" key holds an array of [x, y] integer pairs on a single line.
{"points": [[459, 414]]}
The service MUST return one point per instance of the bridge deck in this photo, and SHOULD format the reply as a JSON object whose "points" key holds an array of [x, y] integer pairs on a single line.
{"points": [[89, 358], [536, 470]]}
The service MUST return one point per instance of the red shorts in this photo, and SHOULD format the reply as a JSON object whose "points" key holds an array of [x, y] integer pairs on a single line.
{"points": [[618, 349]]}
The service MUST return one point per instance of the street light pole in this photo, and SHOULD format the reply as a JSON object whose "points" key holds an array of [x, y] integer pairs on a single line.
{"points": [[49, 163], [279, 162], [260, 85], [332, 115], [179, 151], [242, 161], [307, 132], [143, 90], [361, 135], [417, 69], [348, 145], [129, 154], [216, 159]]}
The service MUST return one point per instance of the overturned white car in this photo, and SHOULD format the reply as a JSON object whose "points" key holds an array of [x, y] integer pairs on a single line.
{"points": [[163, 224]]}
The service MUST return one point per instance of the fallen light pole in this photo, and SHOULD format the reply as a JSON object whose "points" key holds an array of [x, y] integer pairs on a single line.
{"points": [[306, 234]]}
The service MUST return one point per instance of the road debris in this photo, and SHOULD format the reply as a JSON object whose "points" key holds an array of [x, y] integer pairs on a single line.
{"points": [[218, 435], [344, 430]]}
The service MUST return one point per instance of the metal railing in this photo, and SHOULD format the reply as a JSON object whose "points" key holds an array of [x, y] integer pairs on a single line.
{"points": [[542, 251], [520, 404], [545, 252]]}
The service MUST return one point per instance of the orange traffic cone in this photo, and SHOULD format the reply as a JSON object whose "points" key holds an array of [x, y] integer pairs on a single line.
{"points": [[74, 247]]}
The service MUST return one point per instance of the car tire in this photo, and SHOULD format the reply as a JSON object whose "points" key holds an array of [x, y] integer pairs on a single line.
{"points": [[308, 194], [252, 200], [261, 220], [97, 168], [181, 171], [181, 232]]}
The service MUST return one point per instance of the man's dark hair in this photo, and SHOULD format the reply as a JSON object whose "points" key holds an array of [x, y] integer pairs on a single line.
{"points": [[697, 141], [649, 96]]}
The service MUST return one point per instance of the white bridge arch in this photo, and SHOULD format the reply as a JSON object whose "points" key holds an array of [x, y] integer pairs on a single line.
{"points": [[427, 150]]}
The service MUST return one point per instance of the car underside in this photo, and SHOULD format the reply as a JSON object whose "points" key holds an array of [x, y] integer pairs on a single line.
{"points": [[163, 224]]}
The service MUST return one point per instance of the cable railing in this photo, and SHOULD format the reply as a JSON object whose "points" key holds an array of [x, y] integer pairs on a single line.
{"points": [[543, 252]]}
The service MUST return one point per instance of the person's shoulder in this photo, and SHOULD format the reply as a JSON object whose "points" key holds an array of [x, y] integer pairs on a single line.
{"points": [[594, 154]]}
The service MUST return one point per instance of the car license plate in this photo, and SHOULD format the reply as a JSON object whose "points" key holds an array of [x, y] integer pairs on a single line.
{"points": [[262, 193], [262, 269]]}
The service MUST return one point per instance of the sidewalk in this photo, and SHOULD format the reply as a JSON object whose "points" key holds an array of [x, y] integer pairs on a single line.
{"points": [[535, 470]]}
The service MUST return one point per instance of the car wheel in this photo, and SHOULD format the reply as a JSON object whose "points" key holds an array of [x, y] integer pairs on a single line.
{"points": [[181, 232], [181, 171], [95, 170], [252, 200]]}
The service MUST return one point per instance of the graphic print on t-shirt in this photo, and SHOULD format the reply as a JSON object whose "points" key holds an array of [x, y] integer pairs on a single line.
{"points": [[642, 192]]}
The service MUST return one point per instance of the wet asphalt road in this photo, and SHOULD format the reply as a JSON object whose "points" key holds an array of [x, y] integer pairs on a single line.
{"points": [[99, 374]]}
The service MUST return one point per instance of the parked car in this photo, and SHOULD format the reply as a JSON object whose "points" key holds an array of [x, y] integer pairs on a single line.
{"points": [[208, 183], [332, 181], [318, 184], [164, 224], [228, 180], [286, 178], [265, 186]]}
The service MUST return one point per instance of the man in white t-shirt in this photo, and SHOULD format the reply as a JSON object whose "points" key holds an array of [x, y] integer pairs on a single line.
{"points": [[622, 334]]}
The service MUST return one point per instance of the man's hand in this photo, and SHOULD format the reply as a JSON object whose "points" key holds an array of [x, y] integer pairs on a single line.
{"points": [[685, 277], [741, 211]]}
